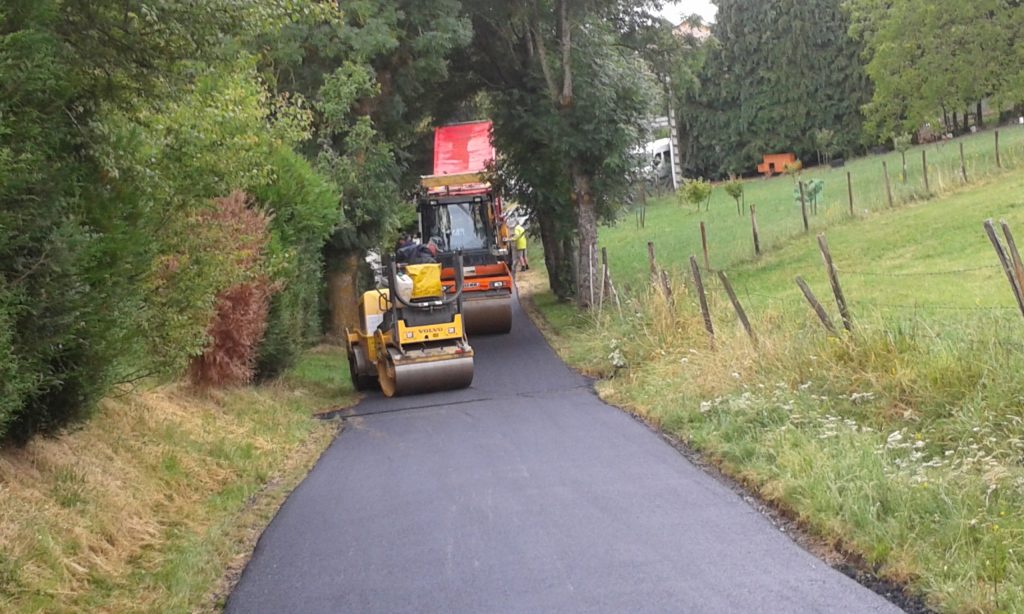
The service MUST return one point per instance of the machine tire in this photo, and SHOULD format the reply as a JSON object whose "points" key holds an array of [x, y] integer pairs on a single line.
{"points": [[360, 381]]}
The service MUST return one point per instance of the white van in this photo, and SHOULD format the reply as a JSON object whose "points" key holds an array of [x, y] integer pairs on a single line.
{"points": [[659, 156]]}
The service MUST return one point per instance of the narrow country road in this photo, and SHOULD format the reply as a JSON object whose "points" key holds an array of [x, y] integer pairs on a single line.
{"points": [[524, 493]]}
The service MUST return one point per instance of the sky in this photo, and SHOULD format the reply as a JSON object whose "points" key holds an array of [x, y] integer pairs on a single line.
{"points": [[674, 11]]}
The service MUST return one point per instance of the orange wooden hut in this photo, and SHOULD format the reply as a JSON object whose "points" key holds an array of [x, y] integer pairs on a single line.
{"points": [[776, 163]]}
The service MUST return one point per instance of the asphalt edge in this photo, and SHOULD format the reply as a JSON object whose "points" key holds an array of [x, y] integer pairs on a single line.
{"points": [[831, 552]]}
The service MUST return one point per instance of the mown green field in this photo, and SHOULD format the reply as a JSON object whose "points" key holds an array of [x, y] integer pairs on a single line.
{"points": [[674, 227], [902, 442]]}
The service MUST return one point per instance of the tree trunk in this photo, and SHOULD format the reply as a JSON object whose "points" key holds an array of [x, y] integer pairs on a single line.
{"points": [[956, 124], [342, 292], [569, 263], [586, 247], [979, 120], [556, 258]]}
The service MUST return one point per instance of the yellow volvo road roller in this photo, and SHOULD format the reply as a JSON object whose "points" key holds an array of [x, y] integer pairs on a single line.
{"points": [[411, 337]]}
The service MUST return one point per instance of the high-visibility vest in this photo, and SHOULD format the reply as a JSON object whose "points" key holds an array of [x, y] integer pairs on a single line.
{"points": [[520, 236]]}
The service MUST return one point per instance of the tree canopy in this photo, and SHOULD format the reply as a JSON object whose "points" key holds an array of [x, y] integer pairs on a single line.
{"points": [[926, 56], [778, 71]]}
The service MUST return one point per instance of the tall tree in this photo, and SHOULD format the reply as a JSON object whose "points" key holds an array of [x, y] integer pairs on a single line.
{"points": [[571, 107], [374, 74], [930, 56], [779, 71]]}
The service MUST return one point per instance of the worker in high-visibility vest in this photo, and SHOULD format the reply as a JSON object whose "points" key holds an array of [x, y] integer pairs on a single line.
{"points": [[519, 236]]}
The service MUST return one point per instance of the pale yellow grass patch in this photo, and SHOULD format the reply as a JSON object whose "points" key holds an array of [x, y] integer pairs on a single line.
{"points": [[85, 516]]}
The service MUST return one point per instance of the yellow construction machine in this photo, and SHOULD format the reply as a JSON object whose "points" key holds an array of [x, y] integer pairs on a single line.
{"points": [[411, 337]]}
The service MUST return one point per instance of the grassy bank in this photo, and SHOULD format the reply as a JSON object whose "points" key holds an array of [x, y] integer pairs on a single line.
{"points": [[900, 443], [145, 506]]}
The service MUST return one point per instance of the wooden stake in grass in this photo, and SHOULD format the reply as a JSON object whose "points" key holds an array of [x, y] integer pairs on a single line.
{"points": [[658, 278], [666, 288], [740, 313], [924, 168], [849, 190], [651, 262], [699, 285], [816, 306], [704, 246], [590, 274], [833, 279], [1018, 266], [963, 165], [604, 279], [888, 186], [608, 287], [999, 163], [753, 226], [803, 207], [1007, 265]]}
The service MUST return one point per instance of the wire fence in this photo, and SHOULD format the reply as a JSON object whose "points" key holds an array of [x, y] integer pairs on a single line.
{"points": [[952, 167], [872, 184]]}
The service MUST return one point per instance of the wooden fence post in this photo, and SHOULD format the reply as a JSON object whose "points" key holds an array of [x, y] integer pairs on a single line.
{"points": [[699, 284], [604, 279], [924, 167], [1004, 260], [903, 157], [666, 287], [1011, 248], [963, 164], [849, 190], [740, 313], [590, 274], [704, 246], [888, 186], [803, 206], [609, 286], [652, 263], [753, 224], [999, 163], [833, 279], [818, 309]]}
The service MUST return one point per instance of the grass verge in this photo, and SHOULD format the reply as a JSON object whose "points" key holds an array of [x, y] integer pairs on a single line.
{"points": [[145, 506], [901, 443]]}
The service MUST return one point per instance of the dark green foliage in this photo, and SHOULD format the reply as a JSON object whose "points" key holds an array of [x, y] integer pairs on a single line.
{"points": [[305, 210], [117, 129], [45, 356], [779, 71]]}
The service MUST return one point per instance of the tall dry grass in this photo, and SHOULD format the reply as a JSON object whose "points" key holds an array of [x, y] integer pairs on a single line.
{"points": [[143, 507]]}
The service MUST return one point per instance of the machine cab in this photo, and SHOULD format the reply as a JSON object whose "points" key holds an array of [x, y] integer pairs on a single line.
{"points": [[466, 223]]}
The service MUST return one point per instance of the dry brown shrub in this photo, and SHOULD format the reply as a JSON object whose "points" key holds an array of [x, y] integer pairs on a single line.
{"points": [[241, 317]]}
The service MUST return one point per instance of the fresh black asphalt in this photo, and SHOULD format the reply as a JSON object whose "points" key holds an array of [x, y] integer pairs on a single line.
{"points": [[524, 493]]}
